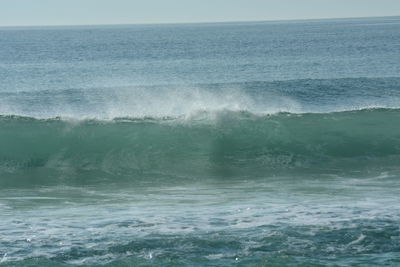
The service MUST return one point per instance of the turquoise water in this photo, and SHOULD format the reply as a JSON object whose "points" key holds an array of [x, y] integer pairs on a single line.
{"points": [[230, 144]]}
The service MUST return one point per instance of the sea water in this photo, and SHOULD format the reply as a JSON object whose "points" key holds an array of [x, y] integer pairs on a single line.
{"points": [[219, 144]]}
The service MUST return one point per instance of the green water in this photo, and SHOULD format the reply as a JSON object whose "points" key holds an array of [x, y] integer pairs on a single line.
{"points": [[218, 189]]}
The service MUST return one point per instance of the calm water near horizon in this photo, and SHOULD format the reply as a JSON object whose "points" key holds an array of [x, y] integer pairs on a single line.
{"points": [[215, 144]]}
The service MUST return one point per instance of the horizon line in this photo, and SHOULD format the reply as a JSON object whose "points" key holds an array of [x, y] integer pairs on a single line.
{"points": [[196, 22]]}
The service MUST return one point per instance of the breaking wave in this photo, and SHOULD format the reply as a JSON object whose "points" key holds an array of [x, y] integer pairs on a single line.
{"points": [[220, 144]]}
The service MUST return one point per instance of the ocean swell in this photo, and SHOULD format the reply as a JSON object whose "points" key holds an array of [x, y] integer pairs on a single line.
{"points": [[223, 144]]}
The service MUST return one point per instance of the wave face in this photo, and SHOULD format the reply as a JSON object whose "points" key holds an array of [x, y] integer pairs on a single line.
{"points": [[221, 144]]}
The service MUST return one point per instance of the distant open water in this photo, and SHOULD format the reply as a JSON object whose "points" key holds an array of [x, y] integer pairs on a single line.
{"points": [[221, 144]]}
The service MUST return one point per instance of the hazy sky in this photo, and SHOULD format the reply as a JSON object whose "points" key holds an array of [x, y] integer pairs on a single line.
{"points": [[72, 12]]}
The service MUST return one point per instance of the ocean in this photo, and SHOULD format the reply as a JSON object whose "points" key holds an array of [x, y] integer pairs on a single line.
{"points": [[214, 144]]}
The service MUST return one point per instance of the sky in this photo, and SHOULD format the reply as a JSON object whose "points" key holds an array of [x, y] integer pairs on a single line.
{"points": [[88, 12]]}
